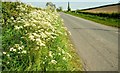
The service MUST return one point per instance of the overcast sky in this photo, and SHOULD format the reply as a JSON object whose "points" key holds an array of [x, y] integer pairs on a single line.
{"points": [[74, 4], [70, 0]]}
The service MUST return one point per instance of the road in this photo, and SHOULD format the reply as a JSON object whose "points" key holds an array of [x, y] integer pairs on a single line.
{"points": [[96, 44]]}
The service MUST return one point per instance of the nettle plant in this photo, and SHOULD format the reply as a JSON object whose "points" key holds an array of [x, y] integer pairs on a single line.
{"points": [[34, 40]]}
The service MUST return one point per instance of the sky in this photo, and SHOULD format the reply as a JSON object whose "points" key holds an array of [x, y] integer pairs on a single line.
{"points": [[69, 0], [74, 4]]}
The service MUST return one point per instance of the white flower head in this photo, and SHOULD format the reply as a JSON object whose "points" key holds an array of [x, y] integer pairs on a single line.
{"points": [[69, 55], [18, 52], [18, 27], [38, 40], [43, 62], [31, 37], [53, 61], [69, 32], [64, 58], [4, 53], [8, 55], [50, 53], [11, 49], [14, 50], [12, 18], [24, 51], [59, 53], [63, 52], [8, 62], [42, 44], [33, 25], [19, 48]]}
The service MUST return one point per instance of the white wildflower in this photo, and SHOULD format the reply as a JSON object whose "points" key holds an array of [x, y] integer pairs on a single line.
{"points": [[43, 35], [38, 40], [53, 61], [24, 51], [35, 34], [36, 48], [11, 49], [22, 46], [8, 55], [8, 62], [12, 18], [14, 50], [42, 44], [59, 48], [50, 53], [26, 24], [69, 32], [33, 25], [45, 58], [64, 58], [69, 55], [43, 62], [17, 27], [4, 53], [65, 28], [63, 52], [19, 48], [21, 27], [31, 37], [59, 53]]}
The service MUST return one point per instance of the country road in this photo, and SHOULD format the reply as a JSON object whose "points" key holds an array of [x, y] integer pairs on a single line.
{"points": [[96, 44]]}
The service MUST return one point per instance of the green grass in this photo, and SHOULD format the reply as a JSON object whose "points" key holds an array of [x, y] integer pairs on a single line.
{"points": [[103, 20]]}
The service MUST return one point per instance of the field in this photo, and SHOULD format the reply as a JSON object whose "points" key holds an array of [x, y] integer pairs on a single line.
{"points": [[103, 18], [35, 39]]}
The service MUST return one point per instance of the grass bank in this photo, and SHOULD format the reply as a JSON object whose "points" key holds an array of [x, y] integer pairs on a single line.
{"points": [[34, 39], [114, 22]]}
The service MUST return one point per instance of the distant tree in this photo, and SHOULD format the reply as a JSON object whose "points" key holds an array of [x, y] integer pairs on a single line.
{"points": [[50, 4], [77, 10], [60, 9], [69, 9]]}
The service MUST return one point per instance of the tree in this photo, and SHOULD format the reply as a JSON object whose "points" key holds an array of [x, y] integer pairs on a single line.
{"points": [[50, 4], [59, 9], [69, 9]]}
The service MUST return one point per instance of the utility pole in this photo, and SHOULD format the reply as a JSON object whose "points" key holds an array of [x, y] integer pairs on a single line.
{"points": [[69, 9]]}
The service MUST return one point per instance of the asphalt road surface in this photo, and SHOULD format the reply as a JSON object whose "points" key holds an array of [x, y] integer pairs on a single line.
{"points": [[96, 44]]}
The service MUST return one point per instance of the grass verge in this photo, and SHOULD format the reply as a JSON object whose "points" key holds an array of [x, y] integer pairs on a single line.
{"points": [[103, 20]]}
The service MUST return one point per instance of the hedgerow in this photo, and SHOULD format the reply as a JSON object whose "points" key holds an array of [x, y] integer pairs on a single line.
{"points": [[107, 15], [34, 39]]}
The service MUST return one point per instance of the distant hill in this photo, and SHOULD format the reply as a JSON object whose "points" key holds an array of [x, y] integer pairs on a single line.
{"points": [[112, 8]]}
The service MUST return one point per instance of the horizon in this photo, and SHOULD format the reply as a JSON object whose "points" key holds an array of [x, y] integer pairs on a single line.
{"points": [[73, 5]]}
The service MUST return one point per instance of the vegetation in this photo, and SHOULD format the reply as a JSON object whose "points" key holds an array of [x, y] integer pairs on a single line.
{"points": [[107, 15], [35, 39], [59, 9], [51, 5], [106, 19]]}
